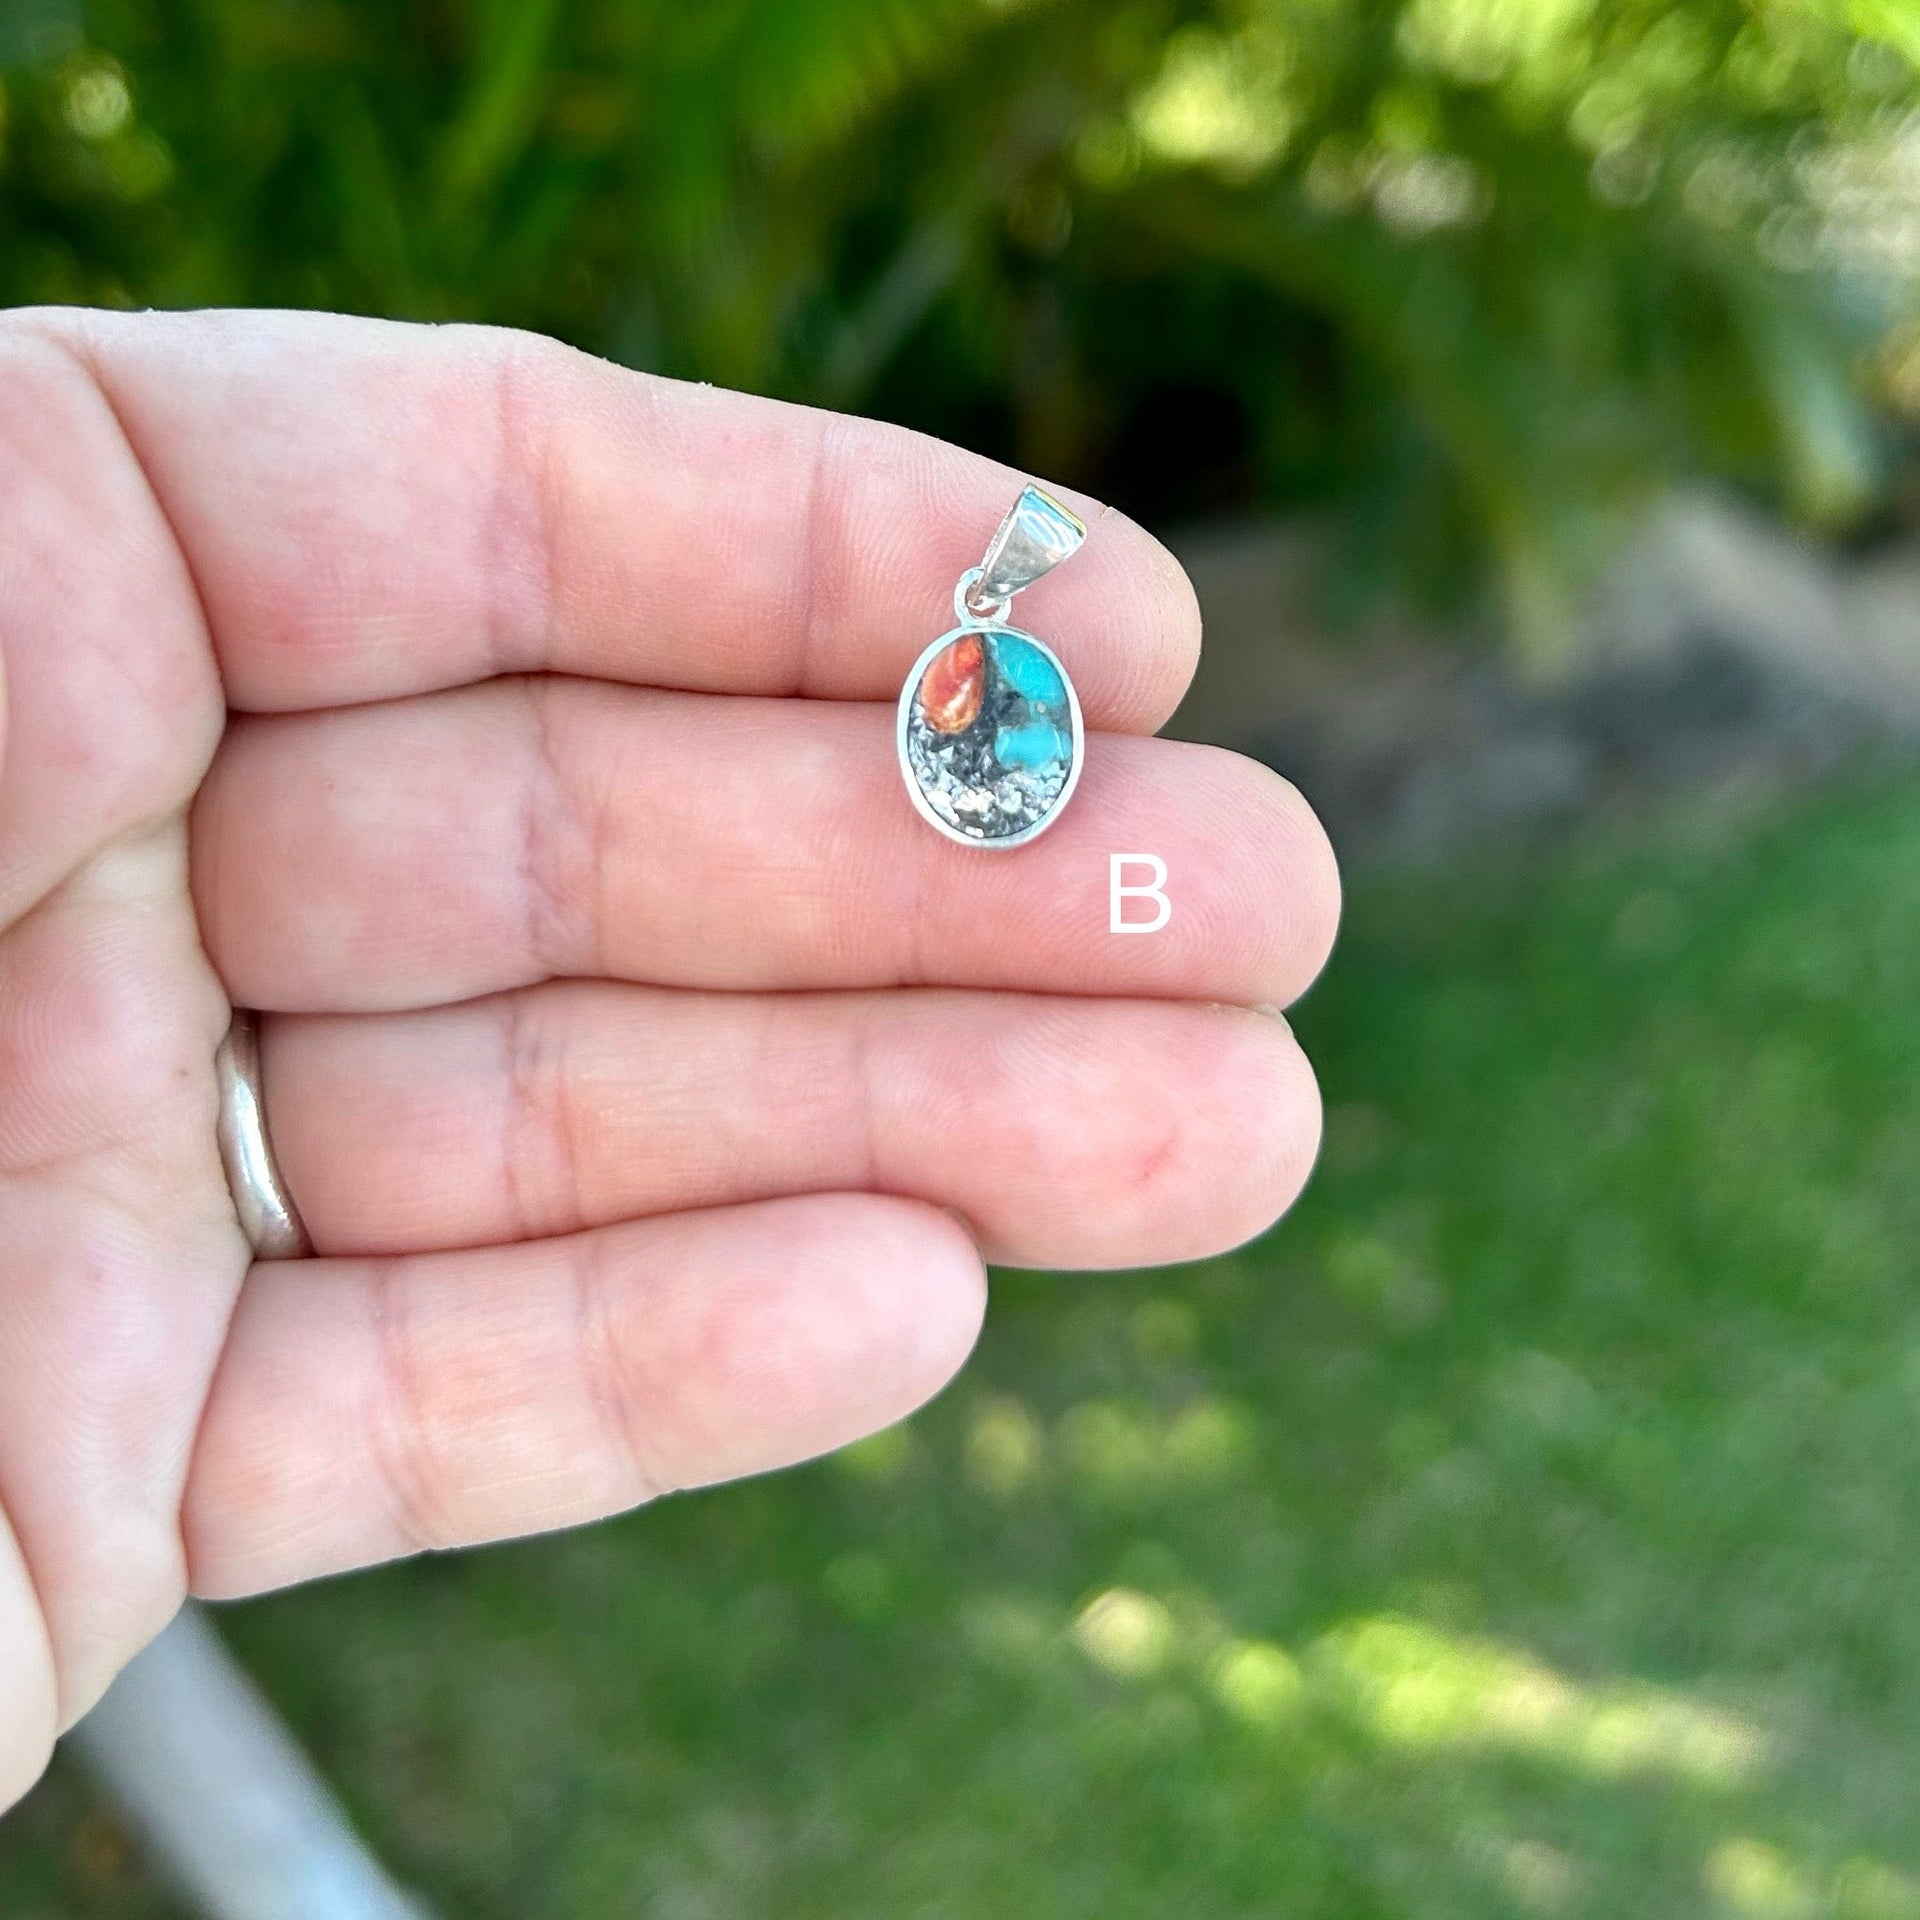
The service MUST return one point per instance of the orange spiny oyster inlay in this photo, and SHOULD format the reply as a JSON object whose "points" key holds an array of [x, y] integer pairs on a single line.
{"points": [[953, 686]]}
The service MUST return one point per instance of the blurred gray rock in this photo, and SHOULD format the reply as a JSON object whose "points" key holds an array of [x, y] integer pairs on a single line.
{"points": [[1720, 650]]}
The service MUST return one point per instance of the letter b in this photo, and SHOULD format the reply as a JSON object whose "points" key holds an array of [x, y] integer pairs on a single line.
{"points": [[1119, 893]]}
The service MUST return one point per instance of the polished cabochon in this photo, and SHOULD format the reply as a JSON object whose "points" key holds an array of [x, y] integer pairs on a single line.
{"points": [[990, 735]]}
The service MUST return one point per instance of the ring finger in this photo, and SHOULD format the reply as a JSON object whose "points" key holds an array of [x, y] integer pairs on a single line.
{"points": [[1068, 1132]]}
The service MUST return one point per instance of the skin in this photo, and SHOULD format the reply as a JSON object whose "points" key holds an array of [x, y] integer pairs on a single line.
{"points": [[516, 732]]}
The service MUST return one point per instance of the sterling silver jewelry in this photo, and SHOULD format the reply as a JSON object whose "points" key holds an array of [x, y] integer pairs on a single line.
{"points": [[989, 734], [268, 1216]]}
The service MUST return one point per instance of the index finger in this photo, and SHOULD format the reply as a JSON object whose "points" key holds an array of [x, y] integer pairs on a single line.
{"points": [[372, 509]]}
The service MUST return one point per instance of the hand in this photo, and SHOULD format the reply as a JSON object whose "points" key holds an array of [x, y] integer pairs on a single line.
{"points": [[518, 732]]}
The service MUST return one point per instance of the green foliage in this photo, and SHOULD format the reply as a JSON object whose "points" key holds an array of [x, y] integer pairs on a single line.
{"points": [[1483, 272], [1527, 1529]]}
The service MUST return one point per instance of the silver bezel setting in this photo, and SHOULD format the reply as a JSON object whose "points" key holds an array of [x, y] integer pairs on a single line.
{"points": [[922, 805]]}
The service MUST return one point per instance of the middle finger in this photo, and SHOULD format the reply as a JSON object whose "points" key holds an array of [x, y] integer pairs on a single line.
{"points": [[435, 849]]}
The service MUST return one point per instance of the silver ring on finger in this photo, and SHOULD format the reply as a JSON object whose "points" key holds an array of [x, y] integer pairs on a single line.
{"points": [[268, 1216]]}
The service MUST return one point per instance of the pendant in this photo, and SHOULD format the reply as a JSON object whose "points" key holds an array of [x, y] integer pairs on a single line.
{"points": [[989, 736]]}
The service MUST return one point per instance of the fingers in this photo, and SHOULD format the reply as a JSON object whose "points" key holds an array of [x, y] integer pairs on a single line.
{"points": [[372, 510], [433, 850], [368, 1409], [119, 1253], [109, 701], [1068, 1133]]}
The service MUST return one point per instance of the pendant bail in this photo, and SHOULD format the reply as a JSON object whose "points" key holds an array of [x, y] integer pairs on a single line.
{"points": [[1037, 534]]}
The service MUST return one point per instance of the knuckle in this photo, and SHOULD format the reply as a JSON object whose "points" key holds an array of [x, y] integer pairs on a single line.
{"points": [[540, 1137], [564, 836], [523, 526], [412, 1432], [612, 1383]]}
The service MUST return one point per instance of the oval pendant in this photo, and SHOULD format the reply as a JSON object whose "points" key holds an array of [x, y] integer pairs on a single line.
{"points": [[989, 735]]}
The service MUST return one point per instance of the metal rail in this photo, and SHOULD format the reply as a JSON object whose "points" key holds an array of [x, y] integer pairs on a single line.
{"points": [[233, 1812]]}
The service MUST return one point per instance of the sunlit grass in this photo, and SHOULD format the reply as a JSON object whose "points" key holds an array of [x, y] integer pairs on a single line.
{"points": [[1530, 1527]]}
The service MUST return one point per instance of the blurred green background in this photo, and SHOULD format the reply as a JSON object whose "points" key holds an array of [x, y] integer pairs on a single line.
{"points": [[1478, 274], [1528, 1526]]}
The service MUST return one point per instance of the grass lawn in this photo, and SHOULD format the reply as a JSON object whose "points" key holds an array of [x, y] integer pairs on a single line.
{"points": [[1530, 1526]]}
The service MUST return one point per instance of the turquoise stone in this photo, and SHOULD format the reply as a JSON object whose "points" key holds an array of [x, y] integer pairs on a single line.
{"points": [[1027, 672], [1032, 744], [1033, 733]]}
